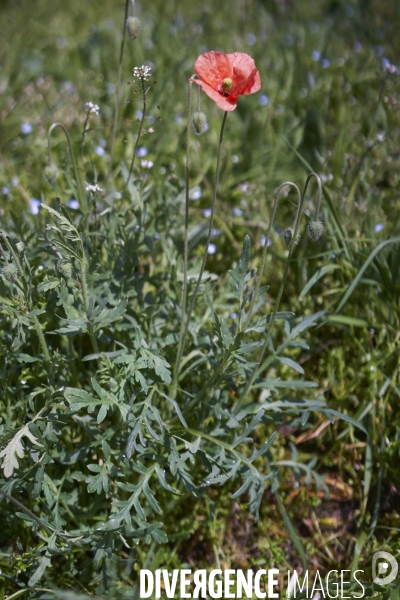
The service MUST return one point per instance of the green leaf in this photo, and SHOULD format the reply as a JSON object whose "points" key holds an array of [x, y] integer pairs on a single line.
{"points": [[347, 418], [48, 284], [345, 320], [25, 358], [290, 363], [317, 275], [360, 273], [292, 532]]}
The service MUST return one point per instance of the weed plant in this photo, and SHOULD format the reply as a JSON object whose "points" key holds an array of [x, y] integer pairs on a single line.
{"points": [[179, 365]]}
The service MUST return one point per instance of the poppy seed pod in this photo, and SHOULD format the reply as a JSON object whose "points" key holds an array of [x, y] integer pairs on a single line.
{"points": [[133, 27], [50, 174], [199, 121], [10, 272], [315, 229], [287, 236], [65, 268]]}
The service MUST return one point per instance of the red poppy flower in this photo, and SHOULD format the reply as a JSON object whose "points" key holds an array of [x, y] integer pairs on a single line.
{"points": [[225, 77]]}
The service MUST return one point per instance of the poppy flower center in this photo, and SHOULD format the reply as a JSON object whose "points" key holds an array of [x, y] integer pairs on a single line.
{"points": [[226, 86]]}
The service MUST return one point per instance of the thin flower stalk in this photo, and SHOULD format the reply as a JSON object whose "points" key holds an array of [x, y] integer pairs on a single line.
{"points": [[4, 255], [300, 206], [117, 96], [225, 361], [79, 186], [91, 109], [267, 238], [144, 91], [186, 232], [203, 263]]}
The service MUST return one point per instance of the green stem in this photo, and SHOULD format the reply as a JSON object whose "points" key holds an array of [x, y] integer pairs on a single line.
{"points": [[81, 196], [264, 253], [49, 241], [296, 224], [84, 283], [300, 206], [86, 300], [38, 328], [84, 132], [4, 255], [14, 254], [26, 511], [29, 589], [203, 263], [138, 137], [220, 370], [117, 98], [186, 236]]}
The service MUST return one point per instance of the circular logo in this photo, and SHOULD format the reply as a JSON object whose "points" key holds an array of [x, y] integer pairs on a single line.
{"points": [[381, 574]]}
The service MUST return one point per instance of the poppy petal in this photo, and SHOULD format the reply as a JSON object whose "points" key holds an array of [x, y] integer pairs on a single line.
{"points": [[250, 85], [223, 102], [213, 67]]}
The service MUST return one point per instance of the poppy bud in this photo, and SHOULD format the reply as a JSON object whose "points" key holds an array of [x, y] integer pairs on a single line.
{"points": [[65, 268], [315, 229], [287, 236], [50, 174], [133, 27], [10, 272], [199, 121]]}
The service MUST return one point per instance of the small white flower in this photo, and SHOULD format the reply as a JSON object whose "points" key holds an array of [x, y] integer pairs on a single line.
{"points": [[380, 137], [143, 73], [93, 188], [389, 68], [93, 109], [146, 164]]}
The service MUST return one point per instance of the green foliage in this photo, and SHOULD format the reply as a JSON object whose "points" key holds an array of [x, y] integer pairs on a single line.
{"points": [[107, 466]]}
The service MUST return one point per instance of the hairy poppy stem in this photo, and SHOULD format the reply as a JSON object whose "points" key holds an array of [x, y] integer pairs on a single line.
{"points": [[300, 206], [117, 97], [224, 363], [79, 187], [186, 235], [182, 341], [138, 138], [267, 237]]}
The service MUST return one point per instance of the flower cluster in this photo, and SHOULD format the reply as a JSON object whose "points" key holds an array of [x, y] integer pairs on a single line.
{"points": [[143, 73], [93, 188], [93, 109]]}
